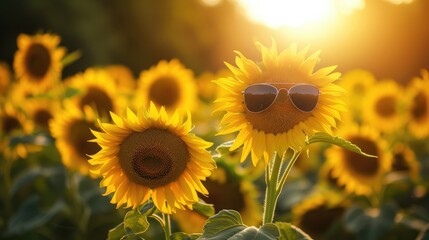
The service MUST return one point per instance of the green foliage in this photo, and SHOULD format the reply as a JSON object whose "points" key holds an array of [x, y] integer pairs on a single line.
{"points": [[135, 223], [32, 215], [326, 138], [204, 209], [291, 232], [30, 176], [370, 225], [184, 236], [227, 224]]}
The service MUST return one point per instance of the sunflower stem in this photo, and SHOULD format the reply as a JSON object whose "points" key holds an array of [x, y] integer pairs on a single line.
{"points": [[271, 196], [167, 226], [286, 172]]}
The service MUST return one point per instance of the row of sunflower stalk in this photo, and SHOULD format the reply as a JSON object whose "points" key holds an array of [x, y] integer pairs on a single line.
{"points": [[104, 155]]}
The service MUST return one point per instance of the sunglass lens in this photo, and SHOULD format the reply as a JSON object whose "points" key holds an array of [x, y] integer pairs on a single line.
{"points": [[259, 97], [304, 97]]}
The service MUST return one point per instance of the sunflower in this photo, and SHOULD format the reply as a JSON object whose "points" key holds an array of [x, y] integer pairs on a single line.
{"points": [[228, 190], [357, 173], [319, 212], [40, 111], [152, 154], [4, 78], [14, 123], [357, 83], [122, 76], [97, 89], [71, 130], [418, 92], [405, 161], [38, 60], [167, 84], [382, 106], [281, 125]]}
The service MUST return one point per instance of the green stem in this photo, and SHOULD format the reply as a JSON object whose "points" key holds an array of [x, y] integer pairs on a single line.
{"points": [[271, 179], [287, 170], [7, 166], [167, 226]]}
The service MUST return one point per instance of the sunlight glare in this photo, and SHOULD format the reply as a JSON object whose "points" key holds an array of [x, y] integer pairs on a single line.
{"points": [[290, 13]]}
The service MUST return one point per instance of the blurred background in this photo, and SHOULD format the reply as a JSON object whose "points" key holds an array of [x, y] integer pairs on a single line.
{"points": [[388, 38]]}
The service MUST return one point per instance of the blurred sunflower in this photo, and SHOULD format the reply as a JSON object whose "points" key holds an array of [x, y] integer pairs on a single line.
{"points": [[228, 190], [418, 92], [405, 161], [282, 124], [40, 111], [71, 130], [357, 83], [357, 173], [5, 78], [14, 123], [97, 89], [38, 60], [208, 91], [382, 106], [316, 214], [123, 77], [167, 84], [152, 154]]}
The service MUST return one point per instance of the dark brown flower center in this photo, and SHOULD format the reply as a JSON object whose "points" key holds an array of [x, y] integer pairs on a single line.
{"points": [[400, 163], [280, 117], [164, 92], [42, 117], [10, 124], [227, 195], [420, 106], [154, 157], [386, 106], [360, 164], [98, 98], [317, 221], [151, 166], [78, 135], [37, 61]]}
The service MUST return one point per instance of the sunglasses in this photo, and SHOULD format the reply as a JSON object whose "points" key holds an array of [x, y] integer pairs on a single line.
{"points": [[260, 96]]}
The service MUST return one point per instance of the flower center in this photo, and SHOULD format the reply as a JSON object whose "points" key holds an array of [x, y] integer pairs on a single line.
{"points": [[42, 117], [360, 164], [78, 135], [10, 124], [164, 92], [37, 61], [280, 117], [399, 163], [154, 157], [386, 106], [98, 98], [420, 106], [317, 221], [151, 167]]}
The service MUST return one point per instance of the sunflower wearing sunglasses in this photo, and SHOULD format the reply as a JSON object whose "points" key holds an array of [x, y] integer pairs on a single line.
{"points": [[276, 104]]}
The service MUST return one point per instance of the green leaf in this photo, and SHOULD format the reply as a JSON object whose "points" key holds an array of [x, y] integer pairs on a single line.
{"points": [[70, 58], [147, 209], [31, 175], [184, 236], [224, 147], [370, 225], [37, 139], [227, 224], [70, 92], [326, 138], [291, 232], [203, 208], [31, 216], [135, 223], [117, 232]]}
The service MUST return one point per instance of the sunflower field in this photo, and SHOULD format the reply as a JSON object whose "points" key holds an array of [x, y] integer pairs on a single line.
{"points": [[214, 119]]}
